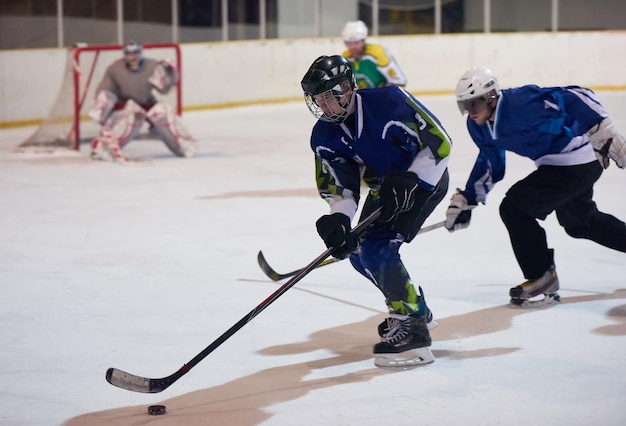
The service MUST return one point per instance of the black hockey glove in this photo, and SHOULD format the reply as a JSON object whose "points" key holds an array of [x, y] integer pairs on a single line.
{"points": [[335, 231], [397, 194]]}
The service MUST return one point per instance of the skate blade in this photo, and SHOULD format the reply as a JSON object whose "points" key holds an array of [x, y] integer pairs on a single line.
{"points": [[548, 300], [412, 357]]}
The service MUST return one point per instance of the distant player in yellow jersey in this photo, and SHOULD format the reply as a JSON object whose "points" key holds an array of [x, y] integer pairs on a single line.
{"points": [[372, 64]]}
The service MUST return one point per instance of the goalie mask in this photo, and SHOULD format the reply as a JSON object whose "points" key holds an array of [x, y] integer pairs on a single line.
{"points": [[329, 88], [476, 89], [133, 55]]}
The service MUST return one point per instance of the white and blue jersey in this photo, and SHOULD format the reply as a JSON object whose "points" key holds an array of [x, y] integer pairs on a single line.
{"points": [[389, 131], [547, 125]]}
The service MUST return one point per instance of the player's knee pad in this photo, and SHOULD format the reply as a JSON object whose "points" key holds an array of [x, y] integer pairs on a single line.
{"points": [[584, 227], [509, 213], [379, 246], [379, 260], [578, 231], [171, 130]]}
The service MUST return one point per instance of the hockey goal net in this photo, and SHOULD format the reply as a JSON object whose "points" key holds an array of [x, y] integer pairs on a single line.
{"points": [[67, 123]]}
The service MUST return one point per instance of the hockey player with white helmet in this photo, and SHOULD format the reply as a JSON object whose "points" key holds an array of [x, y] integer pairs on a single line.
{"points": [[570, 137], [388, 139], [372, 64], [125, 100]]}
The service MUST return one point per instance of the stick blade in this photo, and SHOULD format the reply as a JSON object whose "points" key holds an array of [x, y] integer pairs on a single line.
{"points": [[130, 382], [265, 267]]}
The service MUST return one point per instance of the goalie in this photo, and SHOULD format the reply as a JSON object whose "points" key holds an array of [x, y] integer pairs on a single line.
{"points": [[125, 100]]}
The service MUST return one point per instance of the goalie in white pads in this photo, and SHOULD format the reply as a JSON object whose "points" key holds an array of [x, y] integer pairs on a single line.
{"points": [[570, 137], [125, 101]]}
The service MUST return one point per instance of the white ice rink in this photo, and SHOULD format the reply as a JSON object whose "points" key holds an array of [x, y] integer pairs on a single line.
{"points": [[141, 267]]}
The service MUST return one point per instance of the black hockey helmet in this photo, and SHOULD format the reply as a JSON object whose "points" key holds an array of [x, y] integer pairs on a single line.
{"points": [[133, 55], [329, 79]]}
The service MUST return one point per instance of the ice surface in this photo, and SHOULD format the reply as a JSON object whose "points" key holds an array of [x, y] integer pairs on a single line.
{"points": [[140, 267]]}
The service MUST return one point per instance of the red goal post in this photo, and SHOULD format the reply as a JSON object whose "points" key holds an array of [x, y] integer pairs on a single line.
{"points": [[67, 123]]}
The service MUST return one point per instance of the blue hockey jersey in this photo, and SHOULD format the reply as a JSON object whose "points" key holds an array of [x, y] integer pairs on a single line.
{"points": [[389, 131], [547, 125]]}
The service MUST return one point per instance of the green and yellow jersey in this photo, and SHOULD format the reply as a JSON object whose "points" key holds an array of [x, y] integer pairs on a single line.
{"points": [[376, 68]]}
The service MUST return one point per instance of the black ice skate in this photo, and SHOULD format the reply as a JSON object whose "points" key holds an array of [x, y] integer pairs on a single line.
{"points": [[404, 342], [383, 328], [546, 286]]}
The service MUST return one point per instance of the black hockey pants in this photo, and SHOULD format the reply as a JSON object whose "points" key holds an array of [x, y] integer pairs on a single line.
{"points": [[567, 190]]}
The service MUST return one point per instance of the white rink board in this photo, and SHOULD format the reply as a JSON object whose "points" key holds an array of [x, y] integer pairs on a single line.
{"points": [[251, 71]]}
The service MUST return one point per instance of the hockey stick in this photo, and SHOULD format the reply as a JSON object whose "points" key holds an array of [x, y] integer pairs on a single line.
{"points": [[134, 383], [275, 276]]}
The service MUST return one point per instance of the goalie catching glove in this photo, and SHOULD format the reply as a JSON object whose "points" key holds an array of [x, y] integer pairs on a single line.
{"points": [[459, 212], [607, 143], [165, 76], [397, 194], [335, 231]]}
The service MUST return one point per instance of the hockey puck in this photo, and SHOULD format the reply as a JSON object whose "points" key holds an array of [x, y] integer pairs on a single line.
{"points": [[156, 410]]}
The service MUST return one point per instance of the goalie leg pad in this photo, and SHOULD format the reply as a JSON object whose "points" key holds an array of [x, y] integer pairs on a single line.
{"points": [[102, 107], [171, 130], [120, 129]]}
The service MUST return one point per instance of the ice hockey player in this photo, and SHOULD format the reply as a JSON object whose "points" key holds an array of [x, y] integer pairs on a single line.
{"points": [[388, 139], [559, 128], [372, 64], [125, 101]]}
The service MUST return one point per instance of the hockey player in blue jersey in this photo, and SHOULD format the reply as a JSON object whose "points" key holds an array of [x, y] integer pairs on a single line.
{"points": [[388, 139], [570, 137]]}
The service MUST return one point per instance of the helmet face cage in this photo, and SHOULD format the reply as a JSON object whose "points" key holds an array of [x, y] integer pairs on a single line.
{"points": [[333, 105], [133, 55], [329, 88], [476, 86]]}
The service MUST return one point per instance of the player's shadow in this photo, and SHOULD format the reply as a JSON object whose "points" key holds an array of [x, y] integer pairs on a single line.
{"points": [[242, 401]]}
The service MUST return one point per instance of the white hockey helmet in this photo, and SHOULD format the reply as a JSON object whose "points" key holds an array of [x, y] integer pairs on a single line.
{"points": [[354, 31], [476, 83]]}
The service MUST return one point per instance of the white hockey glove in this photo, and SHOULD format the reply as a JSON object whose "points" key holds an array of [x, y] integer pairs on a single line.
{"points": [[607, 143], [459, 212], [165, 76]]}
